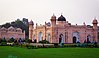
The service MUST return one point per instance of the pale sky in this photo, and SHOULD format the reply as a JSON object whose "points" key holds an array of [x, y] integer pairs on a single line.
{"points": [[75, 11]]}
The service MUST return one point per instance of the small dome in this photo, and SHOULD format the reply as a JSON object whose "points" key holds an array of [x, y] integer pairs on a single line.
{"points": [[61, 18], [95, 21], [31, 23]]}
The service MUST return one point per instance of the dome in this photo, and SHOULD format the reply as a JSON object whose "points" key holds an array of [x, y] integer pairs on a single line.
{"points": [[61, 18], [31, 23], [95, 21]]}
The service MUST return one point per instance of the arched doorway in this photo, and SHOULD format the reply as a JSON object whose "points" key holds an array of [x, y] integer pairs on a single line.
{"points": [[34, 38], [49, 37], [61, 39], [76, 37], [88, 39], [40, 36]]}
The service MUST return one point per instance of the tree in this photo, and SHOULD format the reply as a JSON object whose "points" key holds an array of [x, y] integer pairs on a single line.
{"points": [[7, 25]]}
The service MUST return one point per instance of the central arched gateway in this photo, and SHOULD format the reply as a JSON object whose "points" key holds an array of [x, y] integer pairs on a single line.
{"points": [[40, 36], [61, 39], [76, 37]]}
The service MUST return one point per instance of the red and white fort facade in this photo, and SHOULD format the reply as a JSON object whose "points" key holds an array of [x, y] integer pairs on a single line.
{"points": [[60, 28]]}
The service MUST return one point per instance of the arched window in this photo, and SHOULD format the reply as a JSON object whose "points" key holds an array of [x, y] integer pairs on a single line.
{"points": [[48, 37]]}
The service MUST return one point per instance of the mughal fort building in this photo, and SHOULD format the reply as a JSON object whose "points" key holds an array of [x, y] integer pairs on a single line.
{"points": [[11, 32], [60, 30]]}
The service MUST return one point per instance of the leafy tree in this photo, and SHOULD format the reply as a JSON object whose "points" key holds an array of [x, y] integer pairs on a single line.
{"points": [[7, 25]]}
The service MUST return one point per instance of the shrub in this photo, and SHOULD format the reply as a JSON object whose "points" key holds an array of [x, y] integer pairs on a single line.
{"points": [[35, 41], [70, 45], [3, 42], [44, 42], [11, 40], [56, 45], [28, 40], [0, 40]]}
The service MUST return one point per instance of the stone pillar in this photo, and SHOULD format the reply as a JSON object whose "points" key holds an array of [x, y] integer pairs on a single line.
{"points": [[31, 24]]}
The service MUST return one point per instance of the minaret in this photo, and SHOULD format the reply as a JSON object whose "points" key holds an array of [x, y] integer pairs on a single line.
{"points": [[95, 30], [31, 26], [53, 20], [53, 24]]}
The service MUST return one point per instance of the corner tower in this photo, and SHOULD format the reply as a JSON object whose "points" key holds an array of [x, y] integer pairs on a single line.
{"points": [[31, 26], [53, 25], [95, 30], [53, 20]]}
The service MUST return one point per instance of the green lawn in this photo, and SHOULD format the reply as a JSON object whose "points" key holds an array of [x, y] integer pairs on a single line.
{"points": [[16, 52]]}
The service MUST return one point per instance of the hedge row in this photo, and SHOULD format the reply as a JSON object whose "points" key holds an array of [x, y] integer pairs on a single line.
{"points": [[55, 45]]}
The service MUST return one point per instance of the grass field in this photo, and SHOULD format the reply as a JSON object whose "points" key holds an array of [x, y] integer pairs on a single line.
{"points": [[16, 52]]}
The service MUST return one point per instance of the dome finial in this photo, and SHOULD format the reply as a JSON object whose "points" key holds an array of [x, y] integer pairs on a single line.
{"points": [[53, 14], [95, 17], [61, 13], [53, 17], [83, 22]]}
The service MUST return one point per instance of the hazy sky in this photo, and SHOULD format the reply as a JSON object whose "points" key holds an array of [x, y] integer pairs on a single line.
{"points": [[75, 11]]}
